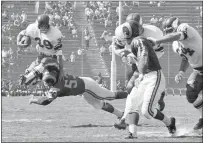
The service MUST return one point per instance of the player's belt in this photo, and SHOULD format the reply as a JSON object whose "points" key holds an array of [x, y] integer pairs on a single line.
{"points": [[47, 55], [199, 69]]}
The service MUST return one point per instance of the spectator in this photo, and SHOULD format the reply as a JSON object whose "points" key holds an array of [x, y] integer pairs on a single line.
{"points": [[135, 3], [107, 22], [72, 57], [100, 78], [13, 17], [5, 15], [48, 6], [200, 11], [161, 20], [66, 19], [86, 31], [154, 20], [119, 86], [152, 3], [87, 41], [102, 50], [80, 51], [74, 32], [24, 19], [57, 18], [97, 13], [106, 36]]}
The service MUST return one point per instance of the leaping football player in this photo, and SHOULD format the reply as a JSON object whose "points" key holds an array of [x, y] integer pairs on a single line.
{"points": [[48, 40], [187, 42], [70, 85]]}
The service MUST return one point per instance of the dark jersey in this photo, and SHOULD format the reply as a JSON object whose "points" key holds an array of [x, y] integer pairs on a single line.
{"points": [[140, 46], [71, 85]]}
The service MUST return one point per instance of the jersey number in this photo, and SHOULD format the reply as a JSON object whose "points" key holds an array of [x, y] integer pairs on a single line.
{"points": [[71, 83], [44, 43]]}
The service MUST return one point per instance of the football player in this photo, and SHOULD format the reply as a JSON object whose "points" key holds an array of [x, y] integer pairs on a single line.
{"points": [[48, 40], [148, 87], [121, 48], [132, 28], [187, 42], [49, 70]]}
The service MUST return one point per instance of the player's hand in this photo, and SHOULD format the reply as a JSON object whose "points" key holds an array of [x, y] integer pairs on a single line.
{"points": [[152, 40], [138, 80], [179, 76]]}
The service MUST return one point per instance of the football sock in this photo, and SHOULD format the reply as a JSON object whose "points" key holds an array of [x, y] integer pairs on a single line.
{"points": [[166, 121], [109, 108], [133, 118], [200, 110], [121, 94], [133, 129], [159, 115]]}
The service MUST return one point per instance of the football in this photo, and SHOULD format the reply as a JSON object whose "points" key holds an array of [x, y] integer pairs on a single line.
{"points": [[26, 41]]}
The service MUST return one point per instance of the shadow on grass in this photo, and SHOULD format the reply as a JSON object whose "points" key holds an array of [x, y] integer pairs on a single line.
{"points": [[91, 126]]}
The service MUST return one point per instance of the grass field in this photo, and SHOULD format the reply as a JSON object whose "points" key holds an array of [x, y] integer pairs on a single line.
{"points": [[72, 119]]}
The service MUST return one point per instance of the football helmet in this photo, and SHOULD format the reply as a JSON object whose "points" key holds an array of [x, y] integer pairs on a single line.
{"points": [[50, 75], [170, 25], [43, 23], [134, 17], [125, 32]]}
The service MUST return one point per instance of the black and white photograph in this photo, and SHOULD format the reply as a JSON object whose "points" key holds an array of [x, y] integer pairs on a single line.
{"points": [[101, 71]]}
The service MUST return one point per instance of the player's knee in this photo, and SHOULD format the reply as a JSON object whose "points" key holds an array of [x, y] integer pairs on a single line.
{"points": [[146, 113], [191, 93], [198, 103]]}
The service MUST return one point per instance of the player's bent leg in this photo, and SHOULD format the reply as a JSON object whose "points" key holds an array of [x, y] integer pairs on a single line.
{"points": [[193, 87], [151, 96], [101, 104]]}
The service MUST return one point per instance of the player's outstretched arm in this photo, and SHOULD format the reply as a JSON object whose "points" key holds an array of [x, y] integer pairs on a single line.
{"points": [[41, 101], [168, 38]]}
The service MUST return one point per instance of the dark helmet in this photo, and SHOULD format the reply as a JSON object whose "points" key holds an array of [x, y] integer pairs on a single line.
{"points": [[170, 25], [134, 17], [51, 74], [43, 21]]}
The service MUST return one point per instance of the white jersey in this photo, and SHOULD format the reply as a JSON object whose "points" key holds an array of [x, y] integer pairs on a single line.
{"points": [[47, 42], [191, 41], [156, 33]]}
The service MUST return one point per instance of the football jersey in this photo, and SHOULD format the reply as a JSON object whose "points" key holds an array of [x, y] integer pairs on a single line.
{"points": [[71, 85], [156, 33], [191, 41], [141, 46], [47, 42]]}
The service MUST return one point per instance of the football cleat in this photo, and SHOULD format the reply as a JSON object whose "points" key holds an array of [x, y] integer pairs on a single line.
{"points": [[130, 136], [172, 126], [120, 125], [199, 125]]}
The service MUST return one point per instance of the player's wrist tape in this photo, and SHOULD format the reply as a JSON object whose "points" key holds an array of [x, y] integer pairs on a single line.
{"points": [[181, 72]]}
